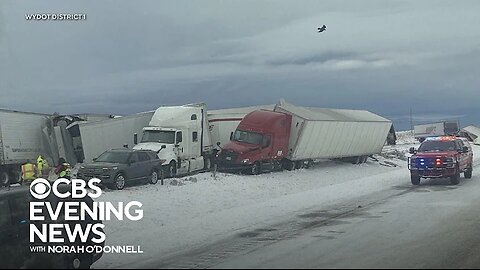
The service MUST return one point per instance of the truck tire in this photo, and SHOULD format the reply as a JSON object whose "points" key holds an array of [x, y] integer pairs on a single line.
{"points": [[455, 179], [468, 173], [288, 165], [256, 168], [4, 178], [172, 169], [308, 164], [298, 165], [415, 179]]}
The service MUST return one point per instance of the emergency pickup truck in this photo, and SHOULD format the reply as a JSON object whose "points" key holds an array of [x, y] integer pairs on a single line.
{"points": [[441, 157]]}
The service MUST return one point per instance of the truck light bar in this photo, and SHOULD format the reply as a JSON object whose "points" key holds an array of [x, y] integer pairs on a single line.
{"points": [[441, 138]]}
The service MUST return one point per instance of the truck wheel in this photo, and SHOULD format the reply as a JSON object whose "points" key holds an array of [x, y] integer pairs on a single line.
{"points": [[172, 169], [298, 165], [468, 173], [289, 165], [119, 182], [256, 168], [415, 180], [455, 179], [308, 164], [4, 178]]}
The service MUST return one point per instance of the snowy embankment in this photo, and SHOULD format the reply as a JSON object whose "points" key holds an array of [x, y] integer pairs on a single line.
{"points": [[201, 209]]}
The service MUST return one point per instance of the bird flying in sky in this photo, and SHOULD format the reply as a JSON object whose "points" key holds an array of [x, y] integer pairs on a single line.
{"points": [[322, 29]]}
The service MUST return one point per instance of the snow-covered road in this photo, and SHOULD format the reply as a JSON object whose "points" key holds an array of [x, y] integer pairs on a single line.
{"points": [[431, 226], [202, 221]]}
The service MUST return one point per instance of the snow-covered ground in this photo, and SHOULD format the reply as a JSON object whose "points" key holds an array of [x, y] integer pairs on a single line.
{"points": [[405, 137], [201, 209]]}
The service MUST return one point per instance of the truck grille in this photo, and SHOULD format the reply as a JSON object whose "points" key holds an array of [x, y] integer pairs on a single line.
{"points": [[425, 163], [228, 157], [431, 163]]}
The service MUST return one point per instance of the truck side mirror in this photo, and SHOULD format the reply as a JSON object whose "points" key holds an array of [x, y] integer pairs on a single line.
{"points": [[218, 143], [135, 138], [231, 136], [95, 159], [161, 148], [412, 150]]}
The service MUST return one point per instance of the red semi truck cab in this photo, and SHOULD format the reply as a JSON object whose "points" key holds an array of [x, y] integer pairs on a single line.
{"points": [[259, 143], [441, 157]]}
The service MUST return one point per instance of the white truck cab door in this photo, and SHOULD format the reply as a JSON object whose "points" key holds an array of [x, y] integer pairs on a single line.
{"points": [[179, 145]]}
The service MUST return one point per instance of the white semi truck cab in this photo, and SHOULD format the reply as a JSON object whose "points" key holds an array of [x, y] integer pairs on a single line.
{"points": [[181, 137]]}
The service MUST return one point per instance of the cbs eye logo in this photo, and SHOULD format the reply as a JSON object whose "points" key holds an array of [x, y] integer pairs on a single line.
{"points": [[40, 189]]}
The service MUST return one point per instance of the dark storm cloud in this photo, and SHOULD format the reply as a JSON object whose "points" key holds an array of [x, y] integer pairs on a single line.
{"points": [[131, 56]]}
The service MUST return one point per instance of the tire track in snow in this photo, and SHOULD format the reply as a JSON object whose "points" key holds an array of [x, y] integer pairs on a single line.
{"points": [[211, 255]]}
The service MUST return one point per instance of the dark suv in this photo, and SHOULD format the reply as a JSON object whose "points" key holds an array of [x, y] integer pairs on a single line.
{"points": [[441, 157], [116, 168], [14, 234]]}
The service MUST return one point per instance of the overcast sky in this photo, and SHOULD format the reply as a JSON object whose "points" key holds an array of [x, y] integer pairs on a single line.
{"points": [[133, 56]]}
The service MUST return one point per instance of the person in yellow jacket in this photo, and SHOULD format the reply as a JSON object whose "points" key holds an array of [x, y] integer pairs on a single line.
{"points": [[63, 169], [28, 171], [42, 167]]}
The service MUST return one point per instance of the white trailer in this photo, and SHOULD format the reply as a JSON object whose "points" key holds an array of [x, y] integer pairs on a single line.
{"points": [[318, 133], [181, 137], [435, 129], [92, 138], [23, 137], [472, 132], [222, 123]]}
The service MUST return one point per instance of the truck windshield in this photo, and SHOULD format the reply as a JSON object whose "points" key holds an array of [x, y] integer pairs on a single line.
{"points": [[437, 146], [113, 157], [159, 136], [248, 137]]}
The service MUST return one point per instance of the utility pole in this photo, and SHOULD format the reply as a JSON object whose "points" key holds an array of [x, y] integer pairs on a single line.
{"points": [[411, 119]]}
